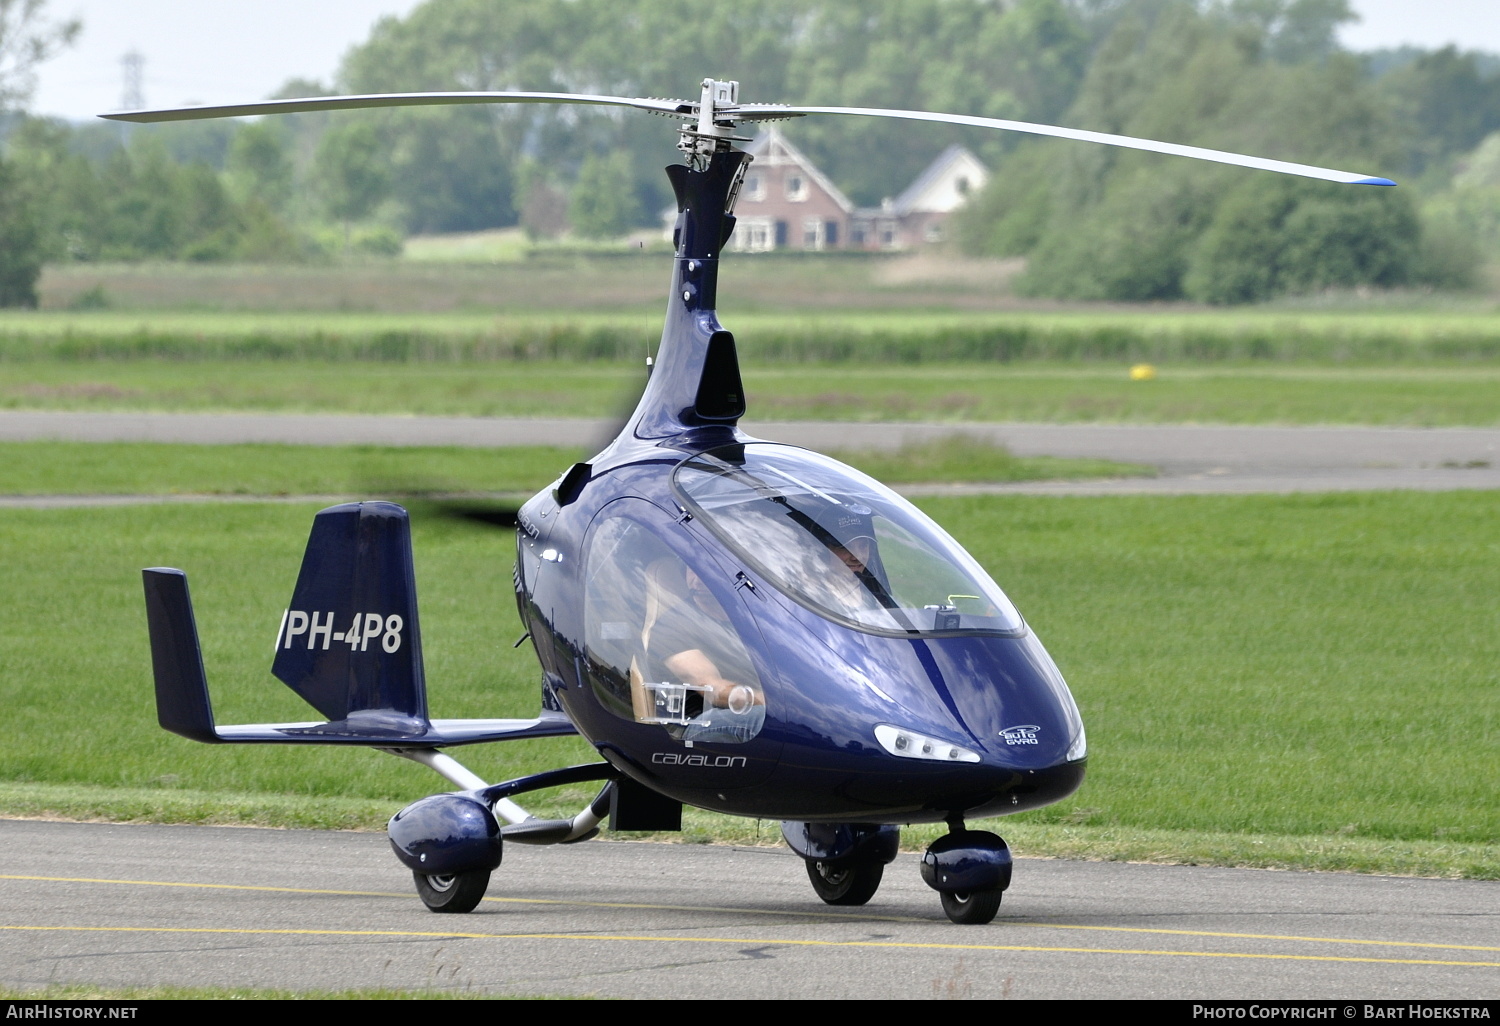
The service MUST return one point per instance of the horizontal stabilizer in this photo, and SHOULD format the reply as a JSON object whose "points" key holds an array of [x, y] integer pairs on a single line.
{"points": [[439, 733]]}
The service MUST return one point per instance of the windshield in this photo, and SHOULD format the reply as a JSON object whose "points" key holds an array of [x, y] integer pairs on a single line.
{"points": [[840, 543]]}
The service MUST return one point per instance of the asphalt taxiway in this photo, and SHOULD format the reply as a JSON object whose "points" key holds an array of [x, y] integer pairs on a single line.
{"points": [[123, 905], [1189, 459]]}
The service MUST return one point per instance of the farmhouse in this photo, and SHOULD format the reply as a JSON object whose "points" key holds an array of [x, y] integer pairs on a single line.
{"points": [[787, 203]]}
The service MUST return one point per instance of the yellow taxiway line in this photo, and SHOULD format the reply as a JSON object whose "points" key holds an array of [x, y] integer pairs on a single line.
{"points": [[841, 916], [762, 941]]}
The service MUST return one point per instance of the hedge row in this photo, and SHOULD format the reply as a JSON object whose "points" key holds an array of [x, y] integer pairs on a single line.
{"points": [[1021, 341]]}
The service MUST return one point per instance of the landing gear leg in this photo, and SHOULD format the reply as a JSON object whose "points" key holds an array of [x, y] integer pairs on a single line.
{"points": [[970, 870]]}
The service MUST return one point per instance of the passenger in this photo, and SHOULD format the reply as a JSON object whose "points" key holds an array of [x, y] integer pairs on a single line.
{"points": [[687, 638]]}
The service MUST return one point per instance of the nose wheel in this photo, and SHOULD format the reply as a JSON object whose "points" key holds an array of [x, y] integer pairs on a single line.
{"points": [[970, 870], [452, 892]]}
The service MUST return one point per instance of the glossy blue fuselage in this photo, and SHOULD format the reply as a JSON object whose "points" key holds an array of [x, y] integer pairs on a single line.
{"points": [[826, 686]]}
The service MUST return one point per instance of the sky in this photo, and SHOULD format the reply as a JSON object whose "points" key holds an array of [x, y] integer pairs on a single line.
{"points": [[225, 51]]}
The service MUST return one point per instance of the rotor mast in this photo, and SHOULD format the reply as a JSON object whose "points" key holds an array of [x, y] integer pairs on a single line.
{"points": [[695, 385]]}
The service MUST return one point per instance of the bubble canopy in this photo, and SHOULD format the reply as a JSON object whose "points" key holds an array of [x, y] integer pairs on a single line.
{"points": [[840, 543]]}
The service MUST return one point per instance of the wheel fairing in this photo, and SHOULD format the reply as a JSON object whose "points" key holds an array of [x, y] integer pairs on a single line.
{"points": [[446, 834], [967, 861]]}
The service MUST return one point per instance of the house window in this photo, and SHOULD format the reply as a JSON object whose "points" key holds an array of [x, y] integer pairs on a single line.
{"points": [[831, 233], [963, 186], [753, 235], [796, 188], [755, 187], [934, 232]]}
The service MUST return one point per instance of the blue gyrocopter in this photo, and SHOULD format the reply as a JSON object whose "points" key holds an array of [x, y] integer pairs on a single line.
{"points": [[733, 624]]}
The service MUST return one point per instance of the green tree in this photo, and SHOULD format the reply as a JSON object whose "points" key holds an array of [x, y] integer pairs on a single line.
{"points": [[448, 172], [542, 205], [143, 217], [138, 202], [603, 204], [27, 39], [1253, 77], [64, 190], [1021, 61], [1294, 31], [1445, 105], [1236, 260], [1279, 235], [20, 243], [352, 174], [258, 167], [1133, 246]]}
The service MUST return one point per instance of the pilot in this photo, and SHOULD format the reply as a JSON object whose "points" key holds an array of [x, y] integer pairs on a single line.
{"points": [[856, 553], [845, 533], [687, 637]]}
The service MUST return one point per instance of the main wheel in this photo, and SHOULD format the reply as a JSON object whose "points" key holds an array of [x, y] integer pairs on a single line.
{"points": [[845, 883], [457, 892], [971, 908]]}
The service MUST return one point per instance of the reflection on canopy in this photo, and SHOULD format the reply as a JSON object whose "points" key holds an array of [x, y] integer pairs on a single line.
{"points": [[840, 543]]}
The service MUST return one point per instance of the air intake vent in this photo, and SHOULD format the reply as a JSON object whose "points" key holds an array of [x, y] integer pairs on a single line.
{"points": [[721, 395]]}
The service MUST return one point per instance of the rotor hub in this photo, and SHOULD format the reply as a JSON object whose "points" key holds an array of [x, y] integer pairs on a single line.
{"points": [[713, 131]]}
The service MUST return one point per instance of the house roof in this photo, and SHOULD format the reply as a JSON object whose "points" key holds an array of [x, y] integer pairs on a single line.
{"points": [[912, 195], [770, 140]]}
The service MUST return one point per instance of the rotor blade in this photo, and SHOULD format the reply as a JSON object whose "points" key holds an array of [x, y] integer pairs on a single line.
{"points": [[741, 112], [470, 511], [769, 112], [307, 104]]}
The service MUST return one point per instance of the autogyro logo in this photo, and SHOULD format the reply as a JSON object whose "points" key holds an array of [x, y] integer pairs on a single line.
{"points": [[1021, 735], [714, 761]]}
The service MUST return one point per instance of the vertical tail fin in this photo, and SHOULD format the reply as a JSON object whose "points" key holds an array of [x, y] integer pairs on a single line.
{"points": [[350, 644]]}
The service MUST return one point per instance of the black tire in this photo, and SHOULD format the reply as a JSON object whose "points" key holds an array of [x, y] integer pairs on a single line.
{"points": [[845, 883], [971, 908], [460, 892]]}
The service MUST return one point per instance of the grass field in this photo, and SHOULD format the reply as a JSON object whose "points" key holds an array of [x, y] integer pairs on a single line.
{"points": [[914, 333], [568, 278], [1417, 396], [1303, 673], [845, 339]]}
